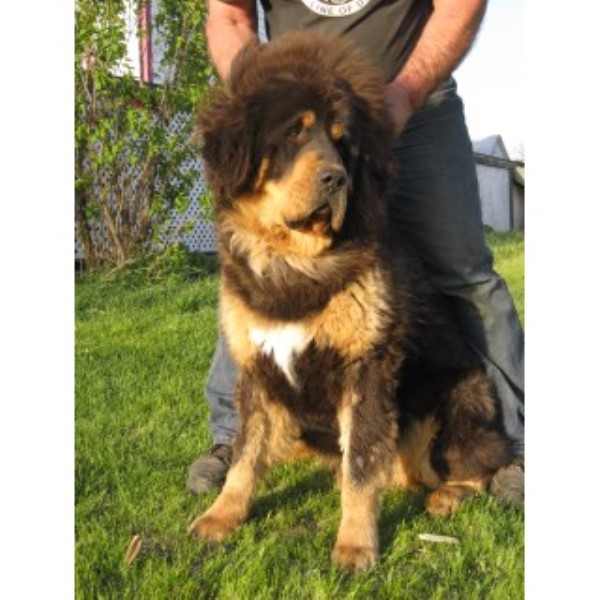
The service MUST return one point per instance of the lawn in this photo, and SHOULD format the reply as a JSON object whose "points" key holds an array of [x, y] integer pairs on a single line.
{"points": [[143, 349]]}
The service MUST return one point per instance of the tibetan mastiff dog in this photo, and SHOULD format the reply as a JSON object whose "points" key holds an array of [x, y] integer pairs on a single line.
{"points": [[345, 350]]}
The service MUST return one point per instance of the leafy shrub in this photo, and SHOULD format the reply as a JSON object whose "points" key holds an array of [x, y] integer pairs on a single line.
{"points": [[133, 150]]}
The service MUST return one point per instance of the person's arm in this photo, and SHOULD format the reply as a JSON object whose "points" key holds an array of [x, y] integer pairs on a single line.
{"points": [[230, 26], [444, 42]]}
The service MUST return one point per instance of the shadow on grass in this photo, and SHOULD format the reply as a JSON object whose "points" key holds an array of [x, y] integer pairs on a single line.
{"points": [[317, 482], [398, 509]]}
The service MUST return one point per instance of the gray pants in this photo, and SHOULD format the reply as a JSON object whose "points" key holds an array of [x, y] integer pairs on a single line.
{"points": [[435, 203]]}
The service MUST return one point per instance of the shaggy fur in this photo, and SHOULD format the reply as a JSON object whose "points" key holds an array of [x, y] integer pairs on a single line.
{"points": [[344, 348]]}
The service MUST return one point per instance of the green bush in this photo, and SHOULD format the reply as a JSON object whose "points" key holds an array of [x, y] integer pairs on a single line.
{"points": [[132, 140]]}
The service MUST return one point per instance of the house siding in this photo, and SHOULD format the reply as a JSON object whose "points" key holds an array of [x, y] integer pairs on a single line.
{"points": [[495, 192]]}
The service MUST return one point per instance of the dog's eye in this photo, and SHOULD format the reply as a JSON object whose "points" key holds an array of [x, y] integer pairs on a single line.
{"points": [[293, 133]]}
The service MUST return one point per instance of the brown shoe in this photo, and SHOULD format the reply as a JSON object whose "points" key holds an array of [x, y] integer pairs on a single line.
{"points": [[508, 484], [209, 471]]}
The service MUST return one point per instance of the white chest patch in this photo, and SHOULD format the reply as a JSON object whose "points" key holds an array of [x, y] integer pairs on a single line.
{"points": [[282, 343]]}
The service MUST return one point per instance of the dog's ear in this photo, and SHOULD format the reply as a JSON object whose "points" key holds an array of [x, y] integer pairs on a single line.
{"points": [[226, 131], [225, 135]]}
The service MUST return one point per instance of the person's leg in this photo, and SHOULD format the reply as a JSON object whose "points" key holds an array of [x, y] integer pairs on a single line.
{"points": [[435, 203], [209, 470], [220, 391]]}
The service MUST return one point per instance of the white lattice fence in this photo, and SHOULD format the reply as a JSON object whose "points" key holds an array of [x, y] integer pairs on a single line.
{"points": [[190, 228], [201, 236]]}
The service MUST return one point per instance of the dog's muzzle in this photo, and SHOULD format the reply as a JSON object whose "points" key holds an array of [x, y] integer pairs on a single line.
{"points": [[330, 206]]}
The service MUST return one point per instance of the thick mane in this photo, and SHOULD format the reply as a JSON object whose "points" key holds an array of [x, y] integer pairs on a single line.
{"points": [[290, 290]]}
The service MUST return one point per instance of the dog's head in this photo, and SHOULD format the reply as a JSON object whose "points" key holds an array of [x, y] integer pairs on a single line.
{"points": [[297, 142]]}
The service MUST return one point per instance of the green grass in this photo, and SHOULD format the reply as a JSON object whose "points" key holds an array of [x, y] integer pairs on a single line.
{"points": [[509, 254], [143, 350]]}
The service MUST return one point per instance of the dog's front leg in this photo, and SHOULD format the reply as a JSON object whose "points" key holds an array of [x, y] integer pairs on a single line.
{"points": [[232, 505], [368, 431], [357, 545]]}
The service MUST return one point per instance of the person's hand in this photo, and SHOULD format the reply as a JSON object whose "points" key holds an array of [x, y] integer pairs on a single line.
{"points": [[399, 104]]}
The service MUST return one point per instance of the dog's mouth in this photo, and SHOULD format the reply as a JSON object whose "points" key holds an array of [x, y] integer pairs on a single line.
{"points": [[320, 216], [322, 220]]}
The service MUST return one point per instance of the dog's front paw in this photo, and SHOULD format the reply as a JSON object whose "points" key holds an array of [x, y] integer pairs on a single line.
{"points": [[211, 528], [354, 558]]}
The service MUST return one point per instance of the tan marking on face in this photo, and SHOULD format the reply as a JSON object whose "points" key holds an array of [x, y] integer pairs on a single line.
{"points": [[264, 165], [308, 119], [338, 130], [295, 195], [260, 218]]}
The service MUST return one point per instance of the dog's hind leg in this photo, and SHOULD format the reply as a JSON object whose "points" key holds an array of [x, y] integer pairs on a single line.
{"points": [[471, 446]]}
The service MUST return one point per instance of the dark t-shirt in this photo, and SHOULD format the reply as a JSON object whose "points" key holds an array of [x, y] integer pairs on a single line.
{"points": [[386, 29]]}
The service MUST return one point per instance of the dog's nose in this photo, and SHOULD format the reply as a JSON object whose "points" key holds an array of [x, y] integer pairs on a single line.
{"points": [[332, 179]]}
